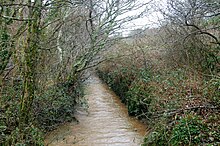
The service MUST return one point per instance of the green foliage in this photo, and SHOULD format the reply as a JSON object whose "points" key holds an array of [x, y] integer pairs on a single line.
{"points": [[139, 94], [119, 81], [158, 136], [211, 60], [52, 107], [190, 129], [32, 136], [56, 105], [9, 109], [212, 90], [5, 52]]}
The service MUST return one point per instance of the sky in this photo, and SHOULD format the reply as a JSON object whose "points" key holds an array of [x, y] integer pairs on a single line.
{"points": [[150, 20]]}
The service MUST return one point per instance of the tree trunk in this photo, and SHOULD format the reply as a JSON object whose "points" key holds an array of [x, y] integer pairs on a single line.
{"points": [[30, 56]]}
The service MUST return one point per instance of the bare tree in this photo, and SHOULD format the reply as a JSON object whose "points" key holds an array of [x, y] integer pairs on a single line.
{"points": [[193, 30], [88, 27]]}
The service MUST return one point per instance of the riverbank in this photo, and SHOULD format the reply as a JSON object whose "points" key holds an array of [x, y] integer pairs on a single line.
{"points": [[179, 105]]}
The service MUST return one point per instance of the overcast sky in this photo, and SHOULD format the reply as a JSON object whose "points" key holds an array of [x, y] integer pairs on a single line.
{"points": [[150, 20]]}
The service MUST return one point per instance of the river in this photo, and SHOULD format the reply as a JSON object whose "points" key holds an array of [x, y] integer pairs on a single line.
{"points": [[105, 123]]}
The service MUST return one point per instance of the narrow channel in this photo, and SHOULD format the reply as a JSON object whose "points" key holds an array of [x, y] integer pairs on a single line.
{"points": [[106, 123]]}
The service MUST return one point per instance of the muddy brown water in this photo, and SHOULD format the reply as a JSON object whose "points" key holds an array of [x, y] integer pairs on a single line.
{"points": [[105, 123]]}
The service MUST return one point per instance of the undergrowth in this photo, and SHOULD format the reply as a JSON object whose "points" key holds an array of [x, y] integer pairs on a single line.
{"points": [[186, 129], [53, 106], [181, 106]]}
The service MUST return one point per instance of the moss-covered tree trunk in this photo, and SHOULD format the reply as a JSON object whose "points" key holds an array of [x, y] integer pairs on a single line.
{"points": [[31, 60]]}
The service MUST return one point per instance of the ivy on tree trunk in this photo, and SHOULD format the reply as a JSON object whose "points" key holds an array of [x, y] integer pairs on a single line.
{"points": [[31, 60]]}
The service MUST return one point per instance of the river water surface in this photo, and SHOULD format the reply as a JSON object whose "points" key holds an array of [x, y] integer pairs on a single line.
{"points": [[106, 123]]}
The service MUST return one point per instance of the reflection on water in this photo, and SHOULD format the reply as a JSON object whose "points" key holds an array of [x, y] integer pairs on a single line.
{"points": [[106, 122]]}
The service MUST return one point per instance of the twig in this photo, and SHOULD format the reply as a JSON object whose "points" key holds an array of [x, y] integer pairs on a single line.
{"points": [[17, 19], [9, 70]]}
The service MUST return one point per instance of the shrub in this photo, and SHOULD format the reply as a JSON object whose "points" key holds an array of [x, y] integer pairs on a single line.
{"points": [[119, 81], [212, 90], [188, 129], [32, 136], [139, 95], [158, 136], [56, 106], [52, 107]]}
